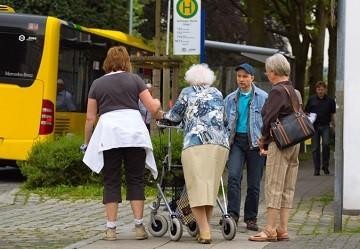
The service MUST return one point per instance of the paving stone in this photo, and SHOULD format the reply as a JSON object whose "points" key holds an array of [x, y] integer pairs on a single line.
{"points": [[36, 222]]}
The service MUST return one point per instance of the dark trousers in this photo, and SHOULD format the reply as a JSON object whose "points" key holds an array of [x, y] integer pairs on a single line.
{"points": [[322, 133], [240, 153], [133, 159]]}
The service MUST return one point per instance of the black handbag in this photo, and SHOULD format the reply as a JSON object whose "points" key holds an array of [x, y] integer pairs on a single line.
{"points": [[293, 128]]}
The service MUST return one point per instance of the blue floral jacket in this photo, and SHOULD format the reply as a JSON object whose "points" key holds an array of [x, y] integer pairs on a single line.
{"points": [[201, 112]]}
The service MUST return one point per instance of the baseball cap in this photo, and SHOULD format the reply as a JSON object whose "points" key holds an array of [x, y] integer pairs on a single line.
{"points": [[246, 67]]}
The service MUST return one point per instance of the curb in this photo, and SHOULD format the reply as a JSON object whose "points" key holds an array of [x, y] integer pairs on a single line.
{"points": [[9, 196], [85, 242]]}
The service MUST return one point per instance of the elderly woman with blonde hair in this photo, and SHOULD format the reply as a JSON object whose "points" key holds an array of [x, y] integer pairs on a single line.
{"points": [[200, 108]]}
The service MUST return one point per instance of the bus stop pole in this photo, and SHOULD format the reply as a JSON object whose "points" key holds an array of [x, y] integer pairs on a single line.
{"points": [[202, 37], [339, 148], [168, 27], [130, 17]]}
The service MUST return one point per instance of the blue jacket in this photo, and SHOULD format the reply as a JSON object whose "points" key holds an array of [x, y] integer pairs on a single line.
{"points": [[255, 120]]}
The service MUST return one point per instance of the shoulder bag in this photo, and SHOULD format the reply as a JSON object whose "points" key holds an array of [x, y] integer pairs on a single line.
{"points": [[293, 128]]}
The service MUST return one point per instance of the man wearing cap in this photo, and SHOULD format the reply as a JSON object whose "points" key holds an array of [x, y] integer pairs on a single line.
{"points": [[243, 110]]}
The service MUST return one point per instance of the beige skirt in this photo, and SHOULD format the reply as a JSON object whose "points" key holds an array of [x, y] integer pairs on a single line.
{"points": [[203, 166]]}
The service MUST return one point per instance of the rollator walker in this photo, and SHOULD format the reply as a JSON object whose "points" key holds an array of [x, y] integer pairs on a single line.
{"points": [[179, 212]]}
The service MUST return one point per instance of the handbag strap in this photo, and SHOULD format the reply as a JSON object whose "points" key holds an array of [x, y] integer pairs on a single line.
{"points": [[294, 103]]}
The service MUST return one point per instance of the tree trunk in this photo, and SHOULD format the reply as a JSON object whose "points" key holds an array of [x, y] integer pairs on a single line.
{"points": [[256, 24], [300, 51], [332, 60], [300, 68], [317, 56]]}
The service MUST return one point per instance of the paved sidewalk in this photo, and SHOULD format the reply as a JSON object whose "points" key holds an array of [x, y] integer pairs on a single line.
{"points": [[310, 225], [35, 222]]}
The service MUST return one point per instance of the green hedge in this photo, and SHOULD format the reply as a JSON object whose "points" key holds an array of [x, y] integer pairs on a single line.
{"points": [[160, 143], [59, 162]]}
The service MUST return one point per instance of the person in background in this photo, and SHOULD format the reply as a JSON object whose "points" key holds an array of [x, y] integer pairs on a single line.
{"points": [[298, 95], [200, 108], [324, 107], [120, 137], [281, 165], [64, 100], [243, 107], [146, 115]]}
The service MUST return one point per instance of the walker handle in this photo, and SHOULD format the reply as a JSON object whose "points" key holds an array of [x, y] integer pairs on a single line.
{"points": [[166, 123]]}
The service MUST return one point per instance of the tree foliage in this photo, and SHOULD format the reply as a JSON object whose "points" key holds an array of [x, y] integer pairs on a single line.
{"points": [[303, 23], [106, 14], [269, 23]]}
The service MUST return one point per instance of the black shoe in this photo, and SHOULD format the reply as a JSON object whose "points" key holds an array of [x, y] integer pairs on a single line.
{"points": [[316, 172], [234, 216], [251, 225], [326, 171]]}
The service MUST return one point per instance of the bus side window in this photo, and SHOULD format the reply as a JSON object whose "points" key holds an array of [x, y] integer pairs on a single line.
{"points": [[80, 62], [64, 99]]}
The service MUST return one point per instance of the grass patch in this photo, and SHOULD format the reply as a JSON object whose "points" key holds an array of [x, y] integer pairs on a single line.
{"points": [[352, 230], [305, 156], [82, 192], [92, 192], [325, 199]]}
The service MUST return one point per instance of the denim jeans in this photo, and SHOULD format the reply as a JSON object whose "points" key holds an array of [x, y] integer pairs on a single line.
{"points": [[323, 133], [240, 153]]}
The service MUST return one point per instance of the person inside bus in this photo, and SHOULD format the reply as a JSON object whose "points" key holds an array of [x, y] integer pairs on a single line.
{"points": [[146, 115], [120, 136], [64, 100]]}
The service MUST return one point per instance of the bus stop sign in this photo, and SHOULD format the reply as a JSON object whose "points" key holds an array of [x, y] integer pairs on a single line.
{"points": [[187, 21]]}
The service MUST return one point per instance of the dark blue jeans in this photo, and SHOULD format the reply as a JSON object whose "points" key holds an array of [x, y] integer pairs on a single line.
{"points": [[240, 153], [323, 133]]}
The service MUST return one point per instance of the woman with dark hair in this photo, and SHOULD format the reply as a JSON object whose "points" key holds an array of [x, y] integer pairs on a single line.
{"points": [[120, 136]]}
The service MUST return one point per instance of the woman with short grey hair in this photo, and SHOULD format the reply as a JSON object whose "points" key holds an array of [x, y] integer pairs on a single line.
{"points": [[281, 165], [278, 64], [200, 109]]}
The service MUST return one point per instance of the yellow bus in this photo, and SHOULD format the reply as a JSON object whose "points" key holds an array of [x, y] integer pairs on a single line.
{"points": [[35, 52]]}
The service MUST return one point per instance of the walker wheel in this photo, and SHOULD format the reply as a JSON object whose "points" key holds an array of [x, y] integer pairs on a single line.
{"points": [[176, 229], [229, 228], [158, 225], [192, 228]]}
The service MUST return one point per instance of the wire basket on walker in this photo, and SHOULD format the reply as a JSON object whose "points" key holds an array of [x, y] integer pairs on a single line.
{"points": [[179, 211]]}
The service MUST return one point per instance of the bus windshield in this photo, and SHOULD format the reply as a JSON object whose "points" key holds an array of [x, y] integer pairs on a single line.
{"points": [[21, 45]]}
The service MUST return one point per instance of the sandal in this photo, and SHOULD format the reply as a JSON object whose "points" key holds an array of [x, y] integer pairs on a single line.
{"points": [[282, 236], [204, 238], [266, 235]]}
